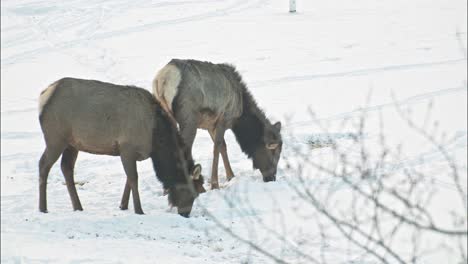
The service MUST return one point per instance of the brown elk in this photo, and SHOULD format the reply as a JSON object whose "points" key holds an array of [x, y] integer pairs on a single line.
{"points": [[103, 118], [213, 97]]}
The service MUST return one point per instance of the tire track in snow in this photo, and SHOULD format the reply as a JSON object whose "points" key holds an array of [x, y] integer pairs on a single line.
{"points": [[410, 100], [20, 111], [358, 72], [236, 7], [13, 135]]}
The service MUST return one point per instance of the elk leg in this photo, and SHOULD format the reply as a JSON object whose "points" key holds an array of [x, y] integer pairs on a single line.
{"points": [[68, 164], [218, 137], [130, 168], [214, 168], [188, 131], [48, 158], [125, 196], [227, 165], [223, 150]]}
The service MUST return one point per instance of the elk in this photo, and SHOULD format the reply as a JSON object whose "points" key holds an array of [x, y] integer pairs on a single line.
{"points": [[107, 119], [214, 97]]}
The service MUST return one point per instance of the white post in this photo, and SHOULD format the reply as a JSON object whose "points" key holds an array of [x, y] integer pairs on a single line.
{"points": [[292, 6]]}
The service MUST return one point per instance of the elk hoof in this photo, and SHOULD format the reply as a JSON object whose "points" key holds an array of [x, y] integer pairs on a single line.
{"points": [[139, 212], [214, 186], [123, 207]]}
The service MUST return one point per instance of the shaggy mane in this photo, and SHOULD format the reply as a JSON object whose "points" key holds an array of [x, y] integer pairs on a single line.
{"points": [[248, 129]]}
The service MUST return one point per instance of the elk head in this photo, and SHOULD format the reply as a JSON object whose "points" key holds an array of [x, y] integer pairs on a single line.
{"points": [[268, 153]]}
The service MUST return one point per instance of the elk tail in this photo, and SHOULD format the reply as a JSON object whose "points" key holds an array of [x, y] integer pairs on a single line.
{"points": [[158, 91]]}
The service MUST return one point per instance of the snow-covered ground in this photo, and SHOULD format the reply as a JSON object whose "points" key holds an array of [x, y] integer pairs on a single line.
{"points": [[329, 56]]}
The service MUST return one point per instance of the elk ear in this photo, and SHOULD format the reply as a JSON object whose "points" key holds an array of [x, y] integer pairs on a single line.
{"points": [[277, 126], [196, 172], [272, 145]]}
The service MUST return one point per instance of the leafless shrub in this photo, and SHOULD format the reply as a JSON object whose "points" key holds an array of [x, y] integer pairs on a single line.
{"points": [[384, 204]]}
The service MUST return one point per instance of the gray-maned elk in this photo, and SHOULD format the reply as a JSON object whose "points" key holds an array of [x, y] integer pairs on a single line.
{"points": [[211, 96], [108, 119]]}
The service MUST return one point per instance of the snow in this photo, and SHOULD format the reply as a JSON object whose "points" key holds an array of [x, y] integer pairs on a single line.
{"points": [[329, 56]]}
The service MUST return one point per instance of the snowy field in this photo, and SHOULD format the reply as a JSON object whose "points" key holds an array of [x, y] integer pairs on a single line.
{"points": [[329, 56]]}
